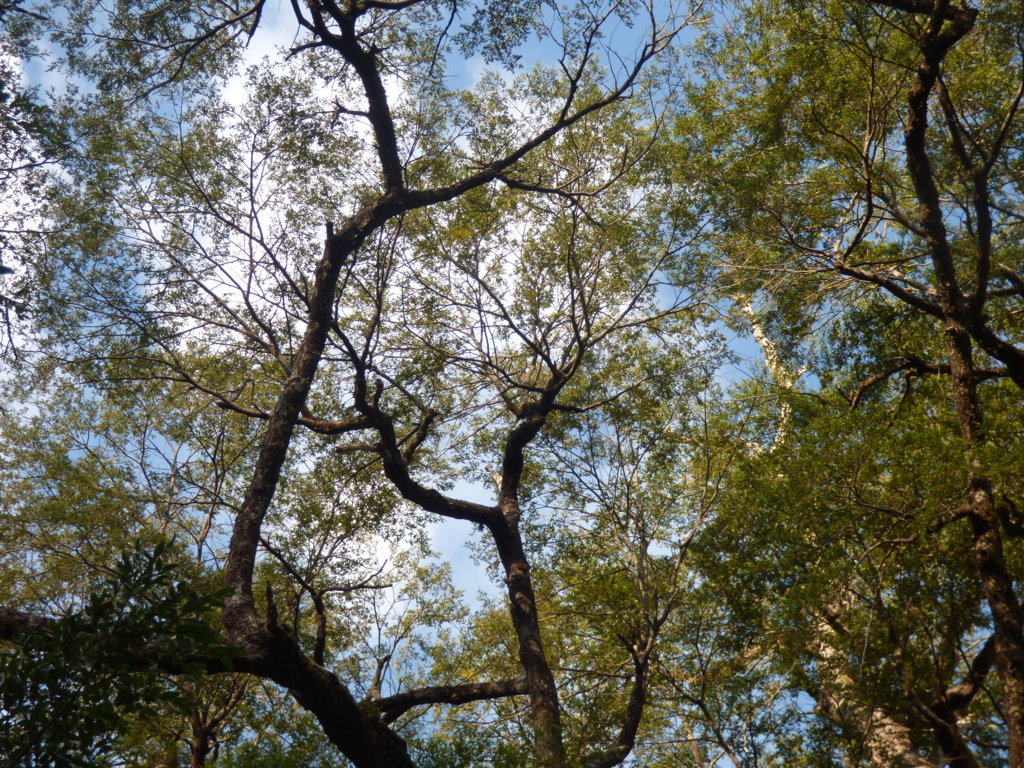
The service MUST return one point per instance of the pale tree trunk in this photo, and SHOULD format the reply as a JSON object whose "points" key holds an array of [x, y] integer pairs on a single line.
{"points": [[887, 742]]}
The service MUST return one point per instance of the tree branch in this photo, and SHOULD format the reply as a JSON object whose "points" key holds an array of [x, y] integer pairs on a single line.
{"points": [[395, 706], [959, 696], [615, 754]]}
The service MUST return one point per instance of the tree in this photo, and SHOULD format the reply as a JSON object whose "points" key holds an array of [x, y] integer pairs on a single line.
{"points": [[216, 375], [878, 239], [285, 314]]}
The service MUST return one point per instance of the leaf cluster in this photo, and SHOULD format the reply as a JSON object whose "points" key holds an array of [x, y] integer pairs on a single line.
{"points": [[67, 688]]}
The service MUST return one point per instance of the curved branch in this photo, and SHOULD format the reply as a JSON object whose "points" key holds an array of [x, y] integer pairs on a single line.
{"points": [[617, 753], [395, 706]]}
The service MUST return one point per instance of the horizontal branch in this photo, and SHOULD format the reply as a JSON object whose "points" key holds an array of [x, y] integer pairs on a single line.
{"points": [[395, 706], [912, 364], [320, 426], [891, 285], [946, 11], [16, 626], [15, 623]]}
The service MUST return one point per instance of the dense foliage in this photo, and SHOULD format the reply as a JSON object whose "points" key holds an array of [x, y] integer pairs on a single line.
{"points": [[689, 335]]}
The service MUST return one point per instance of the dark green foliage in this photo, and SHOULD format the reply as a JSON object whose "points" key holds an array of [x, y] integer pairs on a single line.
{"points": [[67, 689]]}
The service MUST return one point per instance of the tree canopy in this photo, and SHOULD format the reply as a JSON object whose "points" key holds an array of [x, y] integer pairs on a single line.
{"points": [[691, 332]]}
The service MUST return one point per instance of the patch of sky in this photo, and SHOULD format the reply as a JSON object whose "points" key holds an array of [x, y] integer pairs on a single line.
{"points": [[457, 542]]}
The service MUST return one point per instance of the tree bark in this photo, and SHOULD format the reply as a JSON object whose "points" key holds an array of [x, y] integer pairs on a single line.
{"points": [[543, 693], [942, 31], [887, 742]]}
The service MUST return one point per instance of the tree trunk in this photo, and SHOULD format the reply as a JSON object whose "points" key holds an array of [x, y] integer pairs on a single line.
{"points": [[997, 584], [543, 694], [947, 25]]}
